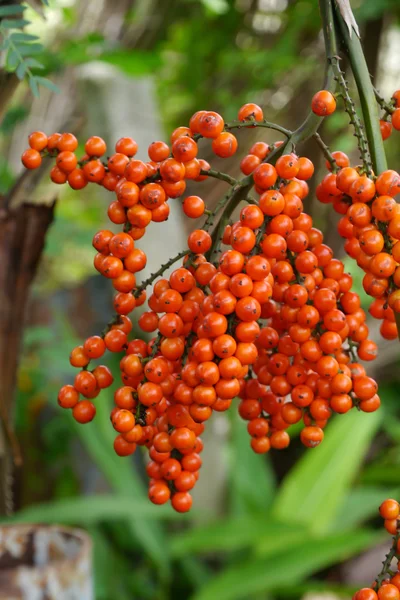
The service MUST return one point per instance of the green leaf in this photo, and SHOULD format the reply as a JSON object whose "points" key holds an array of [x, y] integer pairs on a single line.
{"points": [[362, 503], [29, 49], [384, 474], [21, 70], [33, 63], [47, 83], [34, 86], [98, 437], [5, 44], [315, 488], [23, 37], [235, 533], [12, 59], [291, 565], [246, 468], [90, 510], [10, 10], [13, 23]]}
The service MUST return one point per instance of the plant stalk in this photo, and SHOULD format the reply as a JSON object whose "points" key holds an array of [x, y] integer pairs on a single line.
{"points": [[369, 107]]}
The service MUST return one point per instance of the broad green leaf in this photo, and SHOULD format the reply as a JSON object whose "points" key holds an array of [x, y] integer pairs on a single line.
{"points": [[316, 487], [23, 37], [30, 49], [11, 9], [291, 565], [5, 43], [252, 478], [13, 23], [12, 59], [196, 570], [98, 437], [47, 83], [21, 70], [32, 62], [234, 533], [90, 510], [381, 474], [360, 504]]}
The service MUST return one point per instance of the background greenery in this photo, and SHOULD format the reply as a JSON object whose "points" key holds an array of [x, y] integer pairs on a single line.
{"points": [[283, 526]]}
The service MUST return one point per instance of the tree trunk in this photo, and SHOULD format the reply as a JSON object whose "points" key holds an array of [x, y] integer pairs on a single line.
{"points": [[22, 235]]}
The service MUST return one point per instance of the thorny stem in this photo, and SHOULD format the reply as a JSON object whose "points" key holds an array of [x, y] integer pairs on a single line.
{"points": [[387, 562], [366, 93], [254, 123], [159, 272], [231, 200], [355, 120], [326, 152], [115, 319], [219, 175], [251, 123], [312, 122], [388, 107]]}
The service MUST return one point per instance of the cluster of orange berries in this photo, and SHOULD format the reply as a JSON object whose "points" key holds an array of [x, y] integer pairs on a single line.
{"points": [[391, 118], [370, 224], [270, 319], [323, 104], [387, 585]]}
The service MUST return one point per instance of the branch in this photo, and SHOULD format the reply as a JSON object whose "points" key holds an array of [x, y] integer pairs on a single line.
{"points": [[159, 272], [354, 51], [326, 152]]}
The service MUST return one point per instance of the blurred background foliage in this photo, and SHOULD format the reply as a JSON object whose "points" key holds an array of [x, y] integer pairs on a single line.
{"points": [[296, 524]]}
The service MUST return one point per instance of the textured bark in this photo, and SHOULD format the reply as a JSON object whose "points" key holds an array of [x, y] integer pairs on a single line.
{"points": [[22, 235], [42, 562]]}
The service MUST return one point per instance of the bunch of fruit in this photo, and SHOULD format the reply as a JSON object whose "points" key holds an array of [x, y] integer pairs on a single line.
{"points": [[258, 309]]}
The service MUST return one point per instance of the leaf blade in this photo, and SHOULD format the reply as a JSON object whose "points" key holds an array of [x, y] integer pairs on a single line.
{"points": [[256, 576], [316, 500]]}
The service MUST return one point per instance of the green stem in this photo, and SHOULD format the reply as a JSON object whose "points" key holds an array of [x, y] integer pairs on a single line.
{"points": [[219, 175], [232, 201], [159, 272], [313, 122], [349, 106], [326, 152], [388, 107], [388, 561], [253, 123], [306, 130], [353, 48]]}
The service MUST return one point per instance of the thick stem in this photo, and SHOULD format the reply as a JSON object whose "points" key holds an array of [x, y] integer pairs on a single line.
{"points": [[362, 141], [313, 122], [353, 48]]}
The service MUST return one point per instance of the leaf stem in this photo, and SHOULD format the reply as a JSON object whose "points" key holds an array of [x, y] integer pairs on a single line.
{"points": [[353, 48], [159, 272]]}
